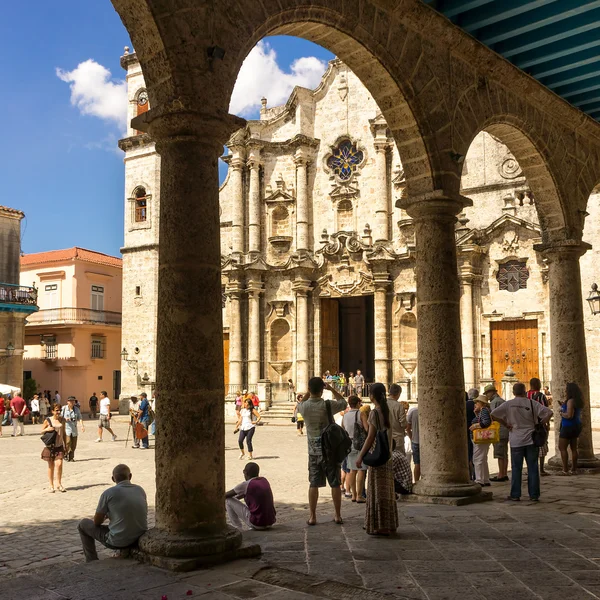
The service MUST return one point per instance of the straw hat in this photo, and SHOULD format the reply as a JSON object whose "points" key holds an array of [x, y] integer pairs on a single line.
{"points": [[482, 400]]}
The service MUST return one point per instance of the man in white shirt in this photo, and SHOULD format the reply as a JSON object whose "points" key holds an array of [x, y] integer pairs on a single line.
{"points": [[519, 416], [35, 409], [56, 397], [104, 420]]}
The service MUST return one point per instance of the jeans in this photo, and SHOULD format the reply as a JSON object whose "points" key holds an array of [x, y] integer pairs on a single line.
{"points": [[249, 434], [71, 443], [530, 454], [145, 441], [89, 533]]}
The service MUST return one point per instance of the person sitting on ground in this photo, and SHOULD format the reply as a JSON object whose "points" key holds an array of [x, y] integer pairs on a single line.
{"points": [[258, 512], [126, 508]]}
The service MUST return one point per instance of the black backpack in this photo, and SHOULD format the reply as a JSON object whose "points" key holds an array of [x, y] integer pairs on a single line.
{"points": [[335, 441]]}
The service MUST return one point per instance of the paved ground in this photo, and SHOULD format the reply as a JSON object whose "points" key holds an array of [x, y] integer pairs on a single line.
{"points": [[489, 551]]}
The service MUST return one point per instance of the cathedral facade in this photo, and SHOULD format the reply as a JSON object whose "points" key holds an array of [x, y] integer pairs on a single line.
{"points": [[318, 269]]}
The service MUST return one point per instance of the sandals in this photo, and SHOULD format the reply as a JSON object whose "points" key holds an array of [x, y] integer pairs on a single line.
{"points": [[311, 523], [61, 488], [338, 522], [51, 491], [564, 473]]}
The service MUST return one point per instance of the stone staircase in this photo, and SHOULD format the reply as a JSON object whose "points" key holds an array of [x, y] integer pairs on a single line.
{"points": [[279, 413]]}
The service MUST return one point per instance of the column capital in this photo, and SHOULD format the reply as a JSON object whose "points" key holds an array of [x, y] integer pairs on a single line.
{"points": [[167, 124], [302, 286], [302, 157], [434, 205], [233, 289], [565, 249], [254, 287], [254, 163], [381, 145], [237, 163]]}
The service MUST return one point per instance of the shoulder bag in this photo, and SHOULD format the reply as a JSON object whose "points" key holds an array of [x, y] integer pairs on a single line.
{"points": [[539, 435], [359, 435], [335, 441], [380, 453], [49, 437]]}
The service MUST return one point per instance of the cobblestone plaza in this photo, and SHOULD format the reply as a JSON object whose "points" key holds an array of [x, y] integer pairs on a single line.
{"points": [[488, 551]]}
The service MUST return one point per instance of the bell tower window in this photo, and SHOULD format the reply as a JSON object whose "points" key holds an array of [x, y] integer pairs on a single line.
{"points": [[141, 205]]}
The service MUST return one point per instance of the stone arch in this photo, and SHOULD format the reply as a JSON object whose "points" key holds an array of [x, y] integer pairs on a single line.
{"points": [[400, 69]]}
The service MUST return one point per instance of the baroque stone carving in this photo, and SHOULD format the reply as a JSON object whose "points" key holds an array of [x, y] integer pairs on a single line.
{"points": [[511, 242], [346, 284], [509, 168]]}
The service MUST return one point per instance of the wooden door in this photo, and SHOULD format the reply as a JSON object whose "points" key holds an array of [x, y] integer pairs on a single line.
{"points": [[226, 360], [515, 343], [330, 335]]}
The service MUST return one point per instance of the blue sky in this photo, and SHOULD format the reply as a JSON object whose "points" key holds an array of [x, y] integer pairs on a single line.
{"points": [[62, 167]]}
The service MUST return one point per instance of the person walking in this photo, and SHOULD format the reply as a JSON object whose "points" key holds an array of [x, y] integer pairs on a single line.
{"points": [[570, 427], [54, 454], [133, 412], [321, 471], [93, 405], [482, 420], [44, 408], [501, 448], [412, 428], [247, 426], [143, 419], [351, 384], [57, 398], [298, 417], [71, 416], [35, 409], [105, 416], [520, 415], [291, 391], [535, 393], [355, 424], [381, 516], [18, 408]]}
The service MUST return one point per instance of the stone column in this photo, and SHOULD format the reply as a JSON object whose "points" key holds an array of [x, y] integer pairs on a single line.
{"points": [[254, 288], [234, 291], [254, 201], [190, 507], [302, 239], [301, 287], [236, 181], [382, 347], [567, 339], [381, 231], [317, 334], [466, 321], [441, 392]]}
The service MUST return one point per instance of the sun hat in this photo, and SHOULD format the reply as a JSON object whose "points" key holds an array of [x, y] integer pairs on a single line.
{"points": [[482, 399], [490, 387]]}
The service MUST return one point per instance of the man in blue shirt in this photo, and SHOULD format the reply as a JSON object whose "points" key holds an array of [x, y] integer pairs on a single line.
{"points": [[143, 416], [72, 415]]}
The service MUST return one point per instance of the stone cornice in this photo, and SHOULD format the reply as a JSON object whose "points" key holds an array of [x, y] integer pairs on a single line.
{"points": [[128, 59], [135, 141], [131, 249]]}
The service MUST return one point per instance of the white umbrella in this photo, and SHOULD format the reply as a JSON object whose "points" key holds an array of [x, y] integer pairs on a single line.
{"points": [[8, 389]]}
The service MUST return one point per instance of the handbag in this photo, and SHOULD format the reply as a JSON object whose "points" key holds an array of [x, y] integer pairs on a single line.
{"points": [[489, 435], [49, 437], [539, 435], [141, 433], [293, 419], [359, 434], [380, 452]]}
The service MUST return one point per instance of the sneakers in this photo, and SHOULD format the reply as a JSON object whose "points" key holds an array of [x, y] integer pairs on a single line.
{"points": [[98, 440], [114, 438]]}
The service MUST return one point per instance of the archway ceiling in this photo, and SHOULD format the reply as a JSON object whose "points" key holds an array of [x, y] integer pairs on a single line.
{"points": [[555, 41]]}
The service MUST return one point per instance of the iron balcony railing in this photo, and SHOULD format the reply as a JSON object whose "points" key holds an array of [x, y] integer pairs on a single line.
{"points": [[74, 316], [18, 294]]}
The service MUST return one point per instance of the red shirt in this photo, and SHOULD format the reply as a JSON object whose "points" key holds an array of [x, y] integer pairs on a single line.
{"points": [[17, 405], [255, 400], [259, 500]]}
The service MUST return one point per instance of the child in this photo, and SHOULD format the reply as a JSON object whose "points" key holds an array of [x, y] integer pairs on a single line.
{"points": [[259, 510]]}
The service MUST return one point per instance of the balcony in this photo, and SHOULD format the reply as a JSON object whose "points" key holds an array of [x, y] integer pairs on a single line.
{"points": [[74, 316], [20, 298]]}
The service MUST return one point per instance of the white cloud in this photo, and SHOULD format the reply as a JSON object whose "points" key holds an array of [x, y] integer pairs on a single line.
{"points": [[260, 76], [95, 93]]}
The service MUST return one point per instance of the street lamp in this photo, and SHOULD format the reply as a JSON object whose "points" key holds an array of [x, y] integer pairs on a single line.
{"points": [[8, 353], [131, 362], [594, 299]]}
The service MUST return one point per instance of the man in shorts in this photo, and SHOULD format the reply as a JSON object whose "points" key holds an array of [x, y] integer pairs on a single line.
{"points": [[314, 412], [104, 420], [501, 448]]}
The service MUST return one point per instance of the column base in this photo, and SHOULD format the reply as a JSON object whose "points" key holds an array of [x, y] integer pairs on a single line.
{"points": [[446, 490], [448, 500], [189, 551], [588, 464]]}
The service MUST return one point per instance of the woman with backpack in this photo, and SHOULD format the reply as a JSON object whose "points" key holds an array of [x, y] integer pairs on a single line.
{"points": [[381, 516], [570, 427], [53, 453]]}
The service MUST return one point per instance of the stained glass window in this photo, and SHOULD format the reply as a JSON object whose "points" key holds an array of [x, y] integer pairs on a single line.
{"points": [[513, 275], [344, 160]]}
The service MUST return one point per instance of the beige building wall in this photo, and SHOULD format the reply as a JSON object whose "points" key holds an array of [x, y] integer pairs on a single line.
{"points": [[276, 294], [73, 343]]}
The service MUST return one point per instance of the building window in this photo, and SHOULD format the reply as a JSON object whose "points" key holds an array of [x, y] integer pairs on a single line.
{"points": [[97, 297], [141, 205], [345, 214], [98, 345], [345, 159], [280, 222], [513, 275], [50, 347], [138, 290], [142, 102]]}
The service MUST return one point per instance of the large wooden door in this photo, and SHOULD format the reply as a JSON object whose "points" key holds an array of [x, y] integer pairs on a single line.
{"points": [[226, 359], [330, 335], [515, 343]]}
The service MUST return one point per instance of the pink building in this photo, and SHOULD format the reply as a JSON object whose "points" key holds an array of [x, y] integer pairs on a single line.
{"points": [[73, 343]]}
